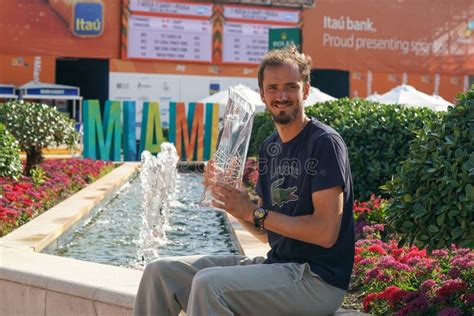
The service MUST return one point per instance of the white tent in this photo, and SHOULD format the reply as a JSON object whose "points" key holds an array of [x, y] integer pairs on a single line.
{"points": [[316, 95], [409, 96], [221, 97], [373, 97], [35, 90], [7, 91], [443, 103]]}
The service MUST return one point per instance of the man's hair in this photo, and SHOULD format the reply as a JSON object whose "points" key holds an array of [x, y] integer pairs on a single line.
{"points": [[288, 55]]}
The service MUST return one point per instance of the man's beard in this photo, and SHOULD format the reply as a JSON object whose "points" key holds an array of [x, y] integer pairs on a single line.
{"points": [[284, 118]]}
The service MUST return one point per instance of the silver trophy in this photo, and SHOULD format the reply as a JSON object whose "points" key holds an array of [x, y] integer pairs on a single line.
{"points": [[232, 143]]}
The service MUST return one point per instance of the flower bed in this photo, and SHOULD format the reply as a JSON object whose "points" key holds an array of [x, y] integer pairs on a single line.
{"points": [[388, 279], [50, 183], [409, 281]]}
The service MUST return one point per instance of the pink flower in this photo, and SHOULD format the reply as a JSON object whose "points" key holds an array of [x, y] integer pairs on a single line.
{"points": [[468, 299], [454, 273], [440, 253], [449, 288], [416, 306], [463, 261], [427, 285], [390, 262], [450, 311]]}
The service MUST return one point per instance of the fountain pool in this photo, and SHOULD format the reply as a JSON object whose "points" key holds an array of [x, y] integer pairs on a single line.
{"points": [[111, 234]]}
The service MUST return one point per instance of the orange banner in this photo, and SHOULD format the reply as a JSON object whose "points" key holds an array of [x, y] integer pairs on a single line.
{"points": [[447, 86], [18, 70], [72, 28], [414, 36]]}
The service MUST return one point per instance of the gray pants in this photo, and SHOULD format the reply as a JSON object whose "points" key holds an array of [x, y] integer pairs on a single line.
{"points": [[233, 285]]}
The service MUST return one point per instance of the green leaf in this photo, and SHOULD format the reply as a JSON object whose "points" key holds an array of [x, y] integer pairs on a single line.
{"points": [[423, 237], [456, 233], [433, 229], [407, 198], [440, 219], [449, 140], [470, 191], [453, 213], [420, 210]]}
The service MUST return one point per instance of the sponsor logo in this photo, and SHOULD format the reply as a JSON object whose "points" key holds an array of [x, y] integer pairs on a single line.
{"points": [[121, 85], [88, 19]]}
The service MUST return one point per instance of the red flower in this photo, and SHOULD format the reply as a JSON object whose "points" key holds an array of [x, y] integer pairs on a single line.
{"points": [[377, 249], [368, 300], [449, 288]]}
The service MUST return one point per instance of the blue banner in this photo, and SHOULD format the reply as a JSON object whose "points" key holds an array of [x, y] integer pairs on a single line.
{"points": [[7, 90], [52, 91]]}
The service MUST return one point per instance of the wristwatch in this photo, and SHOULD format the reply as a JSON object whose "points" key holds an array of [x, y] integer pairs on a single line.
{"points": [[259, 215]]}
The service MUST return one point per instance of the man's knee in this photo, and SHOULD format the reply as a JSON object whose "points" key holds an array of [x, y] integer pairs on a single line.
{"points": [[208, 280], [159, 267]]}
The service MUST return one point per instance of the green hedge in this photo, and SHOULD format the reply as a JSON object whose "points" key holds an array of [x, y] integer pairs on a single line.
{"points": [[433, 190], [10, 163], [377, 136]]}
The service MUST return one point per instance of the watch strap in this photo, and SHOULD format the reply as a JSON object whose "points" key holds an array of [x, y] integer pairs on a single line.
{"points": [[259, 220]]}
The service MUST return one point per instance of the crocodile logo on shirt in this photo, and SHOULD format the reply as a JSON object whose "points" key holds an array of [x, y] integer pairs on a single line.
{"points": [[281, 196]]}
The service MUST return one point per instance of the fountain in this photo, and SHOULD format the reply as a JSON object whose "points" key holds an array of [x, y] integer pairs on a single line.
{"points": [[158, 179], [155, 214]]}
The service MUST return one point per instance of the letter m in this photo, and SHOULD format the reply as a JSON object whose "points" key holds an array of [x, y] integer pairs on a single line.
{"points": [[106, 142], [187, 135]]}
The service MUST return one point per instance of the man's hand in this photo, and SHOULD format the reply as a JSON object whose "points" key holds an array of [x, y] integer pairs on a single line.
{"points": [[234, 201]]}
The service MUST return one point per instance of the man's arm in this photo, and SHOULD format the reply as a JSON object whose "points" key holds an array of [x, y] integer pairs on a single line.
{"points": [[257, 232], [320, 228]]}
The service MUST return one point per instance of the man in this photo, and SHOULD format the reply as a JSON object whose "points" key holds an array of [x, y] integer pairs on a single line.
{"points": [[304, 208]]}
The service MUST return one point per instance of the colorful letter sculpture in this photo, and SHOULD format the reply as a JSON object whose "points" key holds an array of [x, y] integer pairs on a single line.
{"points": [[95, 146], [194, 138], [151, 133]]}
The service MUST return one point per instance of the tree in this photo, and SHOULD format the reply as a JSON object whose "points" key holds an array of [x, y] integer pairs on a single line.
{"points": [[37, 126], [10, 163]]}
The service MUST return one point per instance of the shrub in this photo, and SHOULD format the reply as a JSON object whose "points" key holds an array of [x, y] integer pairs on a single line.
{"points": [[36, 126], [262, 128], [433, 192], [377, 136], [10, 163]]}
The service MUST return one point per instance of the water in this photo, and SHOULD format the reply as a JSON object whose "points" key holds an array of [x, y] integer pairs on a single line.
{"points": [[158, 181], [112, 234]]}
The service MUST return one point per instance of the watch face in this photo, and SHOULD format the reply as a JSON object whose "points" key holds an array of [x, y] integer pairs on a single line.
{"points": [[259, 213]]}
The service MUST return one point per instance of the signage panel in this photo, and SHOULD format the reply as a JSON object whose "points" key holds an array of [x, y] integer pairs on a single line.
{"points": [[165, 38]]}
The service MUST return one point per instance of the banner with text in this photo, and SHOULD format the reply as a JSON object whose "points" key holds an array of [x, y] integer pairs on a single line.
{"points": [[200, 32], [423, 36]]}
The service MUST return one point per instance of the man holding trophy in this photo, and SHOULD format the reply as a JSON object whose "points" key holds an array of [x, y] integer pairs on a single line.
{"points": [[304, 211]]}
